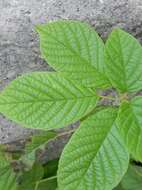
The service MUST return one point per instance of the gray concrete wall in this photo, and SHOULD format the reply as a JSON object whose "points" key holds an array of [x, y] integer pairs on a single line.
{"points": [[19, 44]]}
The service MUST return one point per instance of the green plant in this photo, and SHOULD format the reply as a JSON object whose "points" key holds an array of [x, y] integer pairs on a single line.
{"points": [[97, 155], [25, 171]]}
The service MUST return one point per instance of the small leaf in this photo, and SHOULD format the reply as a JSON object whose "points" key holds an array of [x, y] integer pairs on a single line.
{"points": [[74, 47], [95, 157], [124, 61], [38, 142], [28, 179], [46, 100], [47, 184], [130, 124]]}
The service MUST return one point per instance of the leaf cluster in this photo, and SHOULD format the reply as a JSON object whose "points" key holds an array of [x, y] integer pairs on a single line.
{"points": [[25, 171], [97, 155]]}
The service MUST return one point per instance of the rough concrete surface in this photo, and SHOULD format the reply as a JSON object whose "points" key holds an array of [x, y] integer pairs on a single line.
{"points": [[19, 44]]}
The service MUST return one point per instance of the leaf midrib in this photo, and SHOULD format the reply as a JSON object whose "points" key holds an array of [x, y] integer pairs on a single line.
{"points": [[93, 157], [89, 64], [122, 61], [56, 100], [68, 47]]}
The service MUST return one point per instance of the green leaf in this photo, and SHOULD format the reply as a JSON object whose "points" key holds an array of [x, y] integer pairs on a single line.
{"points": [[3, 159], [28, 179], [4, 162], [69, 43], [46, 100], [119, 187], [133, 178], [47, 184], [88, 79], [8, 180], [50, 169], [74, 47], [123, 56], [38, 142], [95, 157], [130, 124]]}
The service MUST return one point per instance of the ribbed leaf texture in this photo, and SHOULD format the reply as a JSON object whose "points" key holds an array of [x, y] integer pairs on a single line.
{"points": [[73, 46], [46, 100], [130, 125], [123, 56], [88, 78], [8, 180], [95, 157]]}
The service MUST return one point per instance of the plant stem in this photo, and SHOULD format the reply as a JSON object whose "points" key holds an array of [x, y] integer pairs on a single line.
{"points": [[107, 97], [66, 133]]}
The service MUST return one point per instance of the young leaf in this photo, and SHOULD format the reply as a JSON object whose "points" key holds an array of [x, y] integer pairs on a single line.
{"points": [[28, 179], [38, 142], [46, 100], [130, 124], [47, 184], [74, 47], [95, 157], [123, 56]]}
